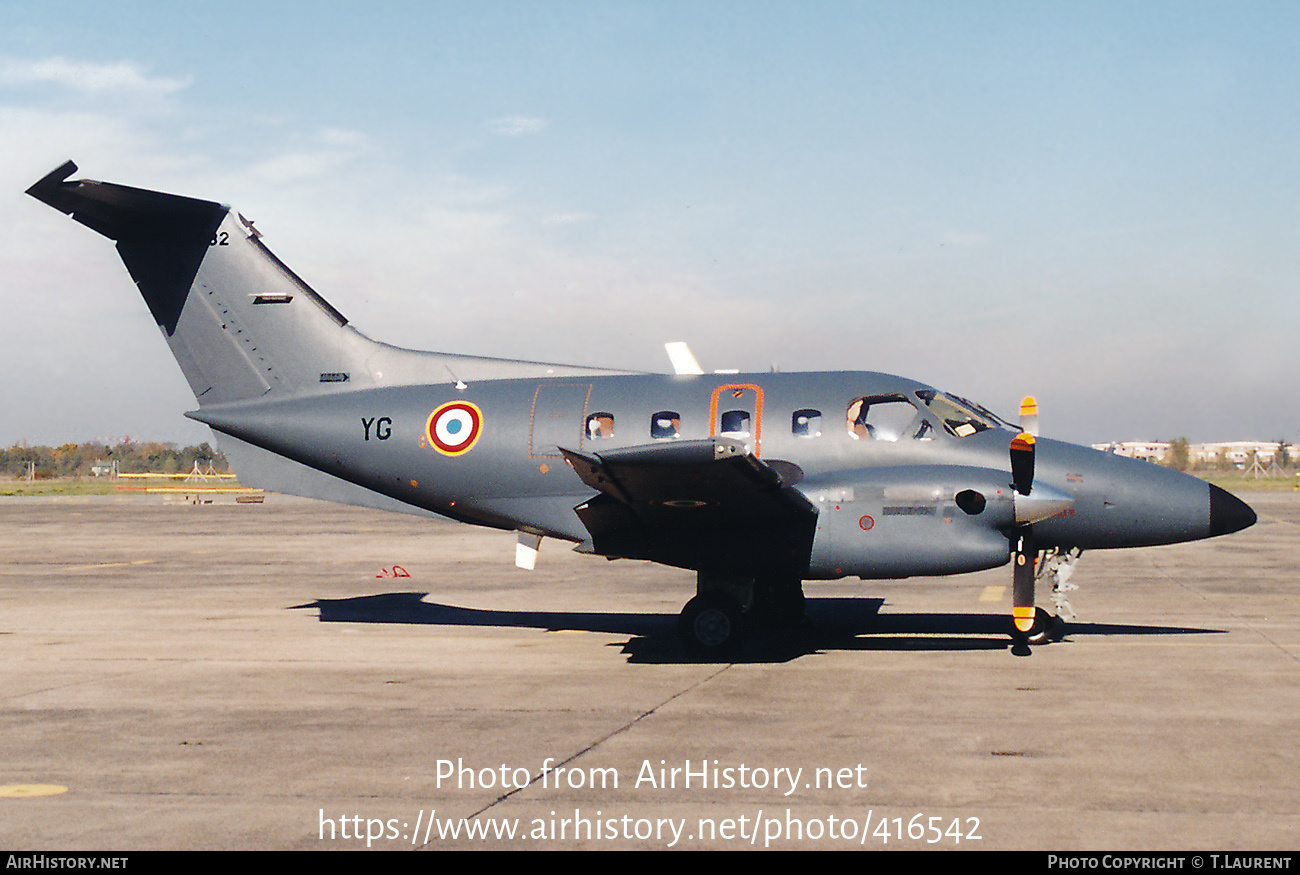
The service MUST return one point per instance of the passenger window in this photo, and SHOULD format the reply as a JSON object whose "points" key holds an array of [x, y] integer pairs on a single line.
{"points": [[735, 423], [806, 423], [600, 426], [666, 425], [885, 418]]}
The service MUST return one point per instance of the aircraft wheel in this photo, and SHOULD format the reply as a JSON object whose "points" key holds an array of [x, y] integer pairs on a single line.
{"points": [[712, 624], [1046, 629]]}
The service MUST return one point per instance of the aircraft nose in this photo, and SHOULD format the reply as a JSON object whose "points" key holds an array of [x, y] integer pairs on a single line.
{"points": [[1228, 513]]}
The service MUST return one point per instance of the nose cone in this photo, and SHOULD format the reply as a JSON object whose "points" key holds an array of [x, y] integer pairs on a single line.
{"points": [[1121, 502], [1228, 513]]}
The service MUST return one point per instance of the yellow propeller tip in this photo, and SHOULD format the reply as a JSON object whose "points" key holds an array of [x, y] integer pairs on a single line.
{"points": [[1023, 618]]}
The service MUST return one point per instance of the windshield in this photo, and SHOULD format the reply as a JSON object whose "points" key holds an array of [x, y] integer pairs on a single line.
{"points": [[960, 417]]}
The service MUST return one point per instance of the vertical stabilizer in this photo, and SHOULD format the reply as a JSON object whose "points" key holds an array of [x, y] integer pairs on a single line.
{"points": [[240, 323]]}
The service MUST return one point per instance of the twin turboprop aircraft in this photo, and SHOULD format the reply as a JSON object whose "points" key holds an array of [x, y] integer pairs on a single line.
{"points": [[757, 482]]}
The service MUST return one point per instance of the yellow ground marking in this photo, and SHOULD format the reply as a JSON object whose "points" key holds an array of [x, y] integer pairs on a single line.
{"points": [[193, 490], [993, 593], [184, 476], [25, 791]]}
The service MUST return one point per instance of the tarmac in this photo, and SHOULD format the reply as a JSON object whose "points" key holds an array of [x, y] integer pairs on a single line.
{"points": [[224, 676]]}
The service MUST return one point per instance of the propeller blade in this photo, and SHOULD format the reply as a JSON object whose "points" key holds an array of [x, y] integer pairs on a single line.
{"points": [[1022, 578], [1029, 415], [1022, 462]]}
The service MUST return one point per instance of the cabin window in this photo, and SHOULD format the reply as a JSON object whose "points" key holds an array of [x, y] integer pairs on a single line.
{"points": [[885, 418], [600, 426], [806, 423], [666, 425], [735, 424]]}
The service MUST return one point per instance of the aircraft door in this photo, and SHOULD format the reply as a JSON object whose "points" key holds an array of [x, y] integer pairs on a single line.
{"points": [[557, 419], [736, 411]]}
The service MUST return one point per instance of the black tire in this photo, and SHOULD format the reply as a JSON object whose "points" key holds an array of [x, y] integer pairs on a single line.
{"points": [[712, 624], [1047, 628]]}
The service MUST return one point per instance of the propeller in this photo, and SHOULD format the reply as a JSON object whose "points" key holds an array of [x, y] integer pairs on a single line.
{"points": [[1029, 415], [1022, 462], [1022, 580], [1026, 551], [1033, 503]]}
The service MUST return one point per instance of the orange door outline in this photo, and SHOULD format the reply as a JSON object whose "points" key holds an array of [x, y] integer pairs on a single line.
{"points": [[738, 390]]}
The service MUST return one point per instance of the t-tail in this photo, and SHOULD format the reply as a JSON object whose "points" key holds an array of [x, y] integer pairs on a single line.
{"points": [[242, 325]]}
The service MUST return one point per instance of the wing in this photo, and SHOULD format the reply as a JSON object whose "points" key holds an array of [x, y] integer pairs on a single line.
{"points": [[708, 505]]}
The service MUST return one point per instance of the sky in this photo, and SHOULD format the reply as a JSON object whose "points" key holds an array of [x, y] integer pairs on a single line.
{"points": [[1093, 203]]}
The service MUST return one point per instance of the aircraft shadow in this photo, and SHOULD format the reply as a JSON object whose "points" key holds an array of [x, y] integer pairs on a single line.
{"points": [[832, 624]]}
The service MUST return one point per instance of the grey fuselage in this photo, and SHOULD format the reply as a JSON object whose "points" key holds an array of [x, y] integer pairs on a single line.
{"points": [[514, 476]]}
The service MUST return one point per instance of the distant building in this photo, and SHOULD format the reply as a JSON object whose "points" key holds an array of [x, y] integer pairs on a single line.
{"points": [[1149, 451], [1236, 452]]}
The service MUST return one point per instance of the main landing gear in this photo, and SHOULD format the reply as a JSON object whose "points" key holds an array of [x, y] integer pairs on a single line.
{"points": [[715, 622]]}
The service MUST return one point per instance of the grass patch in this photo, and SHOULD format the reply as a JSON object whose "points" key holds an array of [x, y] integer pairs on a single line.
{"points": [[1237, 483]]}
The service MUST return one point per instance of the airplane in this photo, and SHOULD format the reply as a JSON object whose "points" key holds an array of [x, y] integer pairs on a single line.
{"points": [[757, 482]]}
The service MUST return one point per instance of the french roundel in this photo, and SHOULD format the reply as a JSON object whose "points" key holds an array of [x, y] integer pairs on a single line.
{"points": [[454, 427]]}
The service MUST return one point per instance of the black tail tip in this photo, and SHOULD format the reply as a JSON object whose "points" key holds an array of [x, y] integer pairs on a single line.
{"points": [[1228, 513], [47, 189]]}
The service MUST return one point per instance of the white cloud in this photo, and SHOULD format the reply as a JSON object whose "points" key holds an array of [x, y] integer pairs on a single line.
{"points": [[86, 77], [516, 125]]}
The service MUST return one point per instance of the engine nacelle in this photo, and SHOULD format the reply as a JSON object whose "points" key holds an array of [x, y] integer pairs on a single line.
{"points": [[911, 521]]}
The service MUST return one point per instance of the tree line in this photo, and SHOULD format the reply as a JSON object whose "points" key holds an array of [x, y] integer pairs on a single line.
{"points": [[132, 457]]}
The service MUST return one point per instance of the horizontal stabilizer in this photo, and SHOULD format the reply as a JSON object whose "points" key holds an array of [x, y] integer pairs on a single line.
{"points": [[121, 212]]}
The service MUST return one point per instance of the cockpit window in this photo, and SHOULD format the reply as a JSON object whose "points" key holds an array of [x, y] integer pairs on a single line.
{"points": [[959, 416], [886, 418]]}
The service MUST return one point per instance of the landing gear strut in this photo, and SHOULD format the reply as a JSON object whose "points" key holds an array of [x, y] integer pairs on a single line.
{"points": [[778, 602]]}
